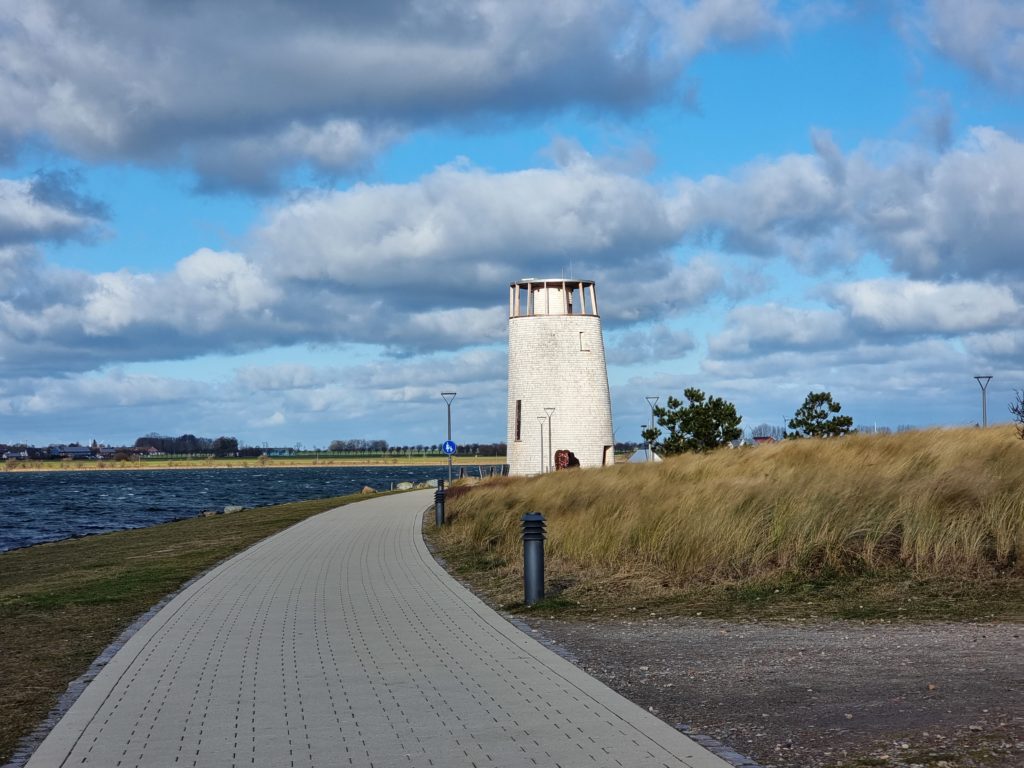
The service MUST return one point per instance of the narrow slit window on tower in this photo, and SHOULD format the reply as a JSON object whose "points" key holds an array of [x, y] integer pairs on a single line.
{"points": [[583, 344], [519, 419]]}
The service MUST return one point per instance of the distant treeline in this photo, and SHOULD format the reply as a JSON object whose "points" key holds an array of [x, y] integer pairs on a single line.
{"points": [[189, 444], [627, 447], [360, 446]]}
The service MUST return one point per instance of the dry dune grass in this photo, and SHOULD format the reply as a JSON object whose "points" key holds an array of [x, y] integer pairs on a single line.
{"points": [[946, 503]]}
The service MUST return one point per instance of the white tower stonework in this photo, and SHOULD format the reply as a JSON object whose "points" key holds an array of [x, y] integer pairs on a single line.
{"points": [[556, 360]]}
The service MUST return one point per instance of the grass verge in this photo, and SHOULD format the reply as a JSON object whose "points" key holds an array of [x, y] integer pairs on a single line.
{"points": [[890, 596], [61, 604], [921, 525]]}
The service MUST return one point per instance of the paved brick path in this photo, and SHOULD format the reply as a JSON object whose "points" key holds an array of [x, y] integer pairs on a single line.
{"points": [[340, 642]]}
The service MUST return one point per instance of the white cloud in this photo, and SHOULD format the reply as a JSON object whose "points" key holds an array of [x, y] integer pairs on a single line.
{"points": [[969, 220], [889, 346], [111, 389], [255, 162], [282, 377], [47, 207], [207, 291], [242, 91], [459, 327], [650, 345], [656, 287], [887, 381], [906, 306], [902, 382], [412, 267], [866, 314], [958, 214], [466, 218], [244, 95], [221, 284], [389, 398], [1001, 349], [406, 389], [276, 419], [54, 319], [791, 206], [420, 266], [692, 27], [758, 330], [119, 300], [986, 36]]}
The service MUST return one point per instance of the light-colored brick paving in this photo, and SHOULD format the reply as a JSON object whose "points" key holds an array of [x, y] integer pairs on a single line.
{"points": [[340, 642]]}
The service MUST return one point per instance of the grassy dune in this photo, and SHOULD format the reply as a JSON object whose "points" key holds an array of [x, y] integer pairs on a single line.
{"points": [[927, 523]]}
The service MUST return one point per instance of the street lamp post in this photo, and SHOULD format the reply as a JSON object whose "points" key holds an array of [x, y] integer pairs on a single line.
{"points": [[551, 445], [983, 383], [651, 401], [448, 397], [540, 422]]}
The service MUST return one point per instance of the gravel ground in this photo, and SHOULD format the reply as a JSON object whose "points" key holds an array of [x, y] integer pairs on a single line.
{"points": [[808, 695]]}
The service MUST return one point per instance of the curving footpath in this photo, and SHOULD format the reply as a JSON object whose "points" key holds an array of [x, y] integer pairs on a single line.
{"points": [[340, 642]]}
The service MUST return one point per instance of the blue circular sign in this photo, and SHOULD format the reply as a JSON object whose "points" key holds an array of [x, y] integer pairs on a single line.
{"points": [[448, 447]]}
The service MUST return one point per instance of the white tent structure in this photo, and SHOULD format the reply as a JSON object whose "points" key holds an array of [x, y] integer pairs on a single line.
{"points": [[641, 456]]}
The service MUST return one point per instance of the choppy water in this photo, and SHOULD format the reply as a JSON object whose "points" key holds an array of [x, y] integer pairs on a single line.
{"points": [[48, 506]]}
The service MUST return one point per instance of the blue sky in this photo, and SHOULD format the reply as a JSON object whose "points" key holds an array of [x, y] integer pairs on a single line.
{"points": [[296, 222]]}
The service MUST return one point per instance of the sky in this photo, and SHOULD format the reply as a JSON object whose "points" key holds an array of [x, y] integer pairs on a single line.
{"points": [[295, 222]]}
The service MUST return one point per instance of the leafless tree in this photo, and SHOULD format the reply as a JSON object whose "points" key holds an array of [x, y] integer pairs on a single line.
{"points": [[1017, 409]]}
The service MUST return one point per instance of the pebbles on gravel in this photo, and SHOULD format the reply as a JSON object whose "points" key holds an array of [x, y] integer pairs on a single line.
{"points": [[810, 695]]}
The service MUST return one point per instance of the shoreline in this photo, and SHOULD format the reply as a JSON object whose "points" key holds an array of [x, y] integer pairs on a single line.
{"points": [[103, 466]]}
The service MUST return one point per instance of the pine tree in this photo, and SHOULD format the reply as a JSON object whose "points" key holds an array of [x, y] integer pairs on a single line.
{"points": [[700, 424], [819, 417]]}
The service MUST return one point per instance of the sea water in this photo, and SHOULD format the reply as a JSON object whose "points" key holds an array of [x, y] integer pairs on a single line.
{"points": [[48, 506]]}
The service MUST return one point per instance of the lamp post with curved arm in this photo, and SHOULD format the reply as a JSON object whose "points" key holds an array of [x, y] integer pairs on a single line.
{"points": [[540, 422], [651, 401], [983, 383], [551, 446]]}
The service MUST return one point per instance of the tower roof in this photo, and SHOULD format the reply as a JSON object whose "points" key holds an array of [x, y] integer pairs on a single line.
{"points": [[566, 280]]}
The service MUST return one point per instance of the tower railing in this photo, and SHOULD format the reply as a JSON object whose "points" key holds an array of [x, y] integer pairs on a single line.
{"points": [[534, 297]]}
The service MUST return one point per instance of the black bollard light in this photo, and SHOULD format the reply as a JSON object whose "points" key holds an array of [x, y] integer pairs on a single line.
{"points": [[439, 504], [533, 557]]}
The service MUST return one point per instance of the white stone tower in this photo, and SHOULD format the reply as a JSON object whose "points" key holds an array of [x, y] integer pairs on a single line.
{"points": [[556, 360]]}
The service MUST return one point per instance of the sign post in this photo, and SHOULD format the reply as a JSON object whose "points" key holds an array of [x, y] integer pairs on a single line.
{"points": [[449, 449], [448, 397]]}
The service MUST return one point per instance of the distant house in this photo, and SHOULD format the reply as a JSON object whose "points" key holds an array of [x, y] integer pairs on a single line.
{"points": [[764, 440], [15, 456], [70, 452]]}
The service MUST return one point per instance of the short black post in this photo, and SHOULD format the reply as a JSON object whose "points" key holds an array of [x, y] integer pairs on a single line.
{"points": [[439, 504], [533, 557]]}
